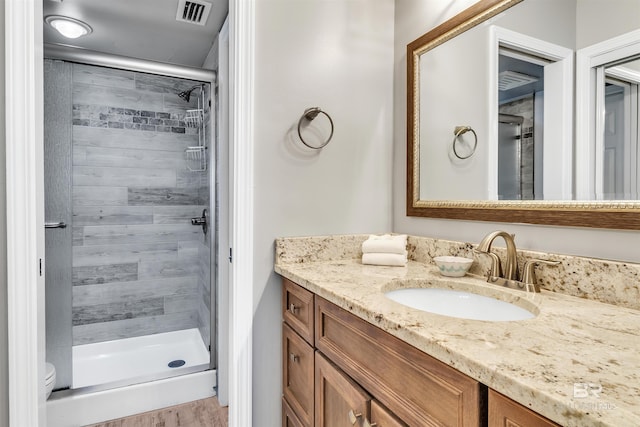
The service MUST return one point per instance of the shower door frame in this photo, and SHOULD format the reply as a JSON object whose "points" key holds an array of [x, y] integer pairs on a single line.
{"points": [[99, 59]]}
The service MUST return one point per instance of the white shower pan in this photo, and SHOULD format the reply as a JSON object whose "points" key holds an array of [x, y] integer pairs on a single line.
{"points": [[145, 357]]}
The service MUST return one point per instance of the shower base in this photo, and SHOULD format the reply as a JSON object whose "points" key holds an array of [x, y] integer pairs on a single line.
{"points": [[132, 360]]}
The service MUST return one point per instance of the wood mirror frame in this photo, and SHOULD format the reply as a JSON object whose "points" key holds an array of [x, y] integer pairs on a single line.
{"points": [[598, 214]]}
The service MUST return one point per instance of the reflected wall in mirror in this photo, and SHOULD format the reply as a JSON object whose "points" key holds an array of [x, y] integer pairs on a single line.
{"points": [[505, 68]]}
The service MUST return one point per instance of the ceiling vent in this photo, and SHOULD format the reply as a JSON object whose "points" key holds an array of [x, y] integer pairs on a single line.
{"points": [[511, 79], [193, 12]]}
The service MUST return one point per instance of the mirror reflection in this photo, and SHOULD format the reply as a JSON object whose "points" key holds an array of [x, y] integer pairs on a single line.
{"points": [[511, 80], [620, 178]]}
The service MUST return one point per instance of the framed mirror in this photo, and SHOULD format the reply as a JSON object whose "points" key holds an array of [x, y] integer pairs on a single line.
{"points": [[486, 73]]}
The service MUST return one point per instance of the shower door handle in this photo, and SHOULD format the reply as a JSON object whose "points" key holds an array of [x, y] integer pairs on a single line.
{"points": [[60, 224], [202, 221]]}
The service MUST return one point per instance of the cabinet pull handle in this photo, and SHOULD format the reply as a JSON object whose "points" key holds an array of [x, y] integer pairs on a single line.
{"points": [[293, 357], [368, 424], [293, 309], [353, 417]]}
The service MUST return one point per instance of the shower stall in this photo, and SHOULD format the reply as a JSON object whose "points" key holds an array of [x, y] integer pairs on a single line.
{"points": [[130, 212]]}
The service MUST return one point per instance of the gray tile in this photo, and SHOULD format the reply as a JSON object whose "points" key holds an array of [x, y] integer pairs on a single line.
{"points": [[114, 138], [99, 196], [127, 98], [108, 215], [120, 292], [176, 214], [103, 76], [181, 303], [162, 84], [109, 254], [143, 233], [98, 332], [97, 274], [77, 236], [132, 158], [163, 269], [140, 196], [114, 177], [84, 315]]}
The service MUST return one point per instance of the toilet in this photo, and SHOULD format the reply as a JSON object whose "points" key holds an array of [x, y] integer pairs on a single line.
{"points": [[50, 378]]}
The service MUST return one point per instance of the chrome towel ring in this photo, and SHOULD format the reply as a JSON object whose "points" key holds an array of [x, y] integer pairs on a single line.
{"points": [[461, 130], [309, 115]]}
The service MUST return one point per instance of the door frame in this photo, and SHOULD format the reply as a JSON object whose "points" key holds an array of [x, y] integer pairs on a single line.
{"points": [[25, 211], [560, 159]]}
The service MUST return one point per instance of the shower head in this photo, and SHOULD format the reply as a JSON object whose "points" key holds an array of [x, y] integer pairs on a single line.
{"points": [[186, 94]]}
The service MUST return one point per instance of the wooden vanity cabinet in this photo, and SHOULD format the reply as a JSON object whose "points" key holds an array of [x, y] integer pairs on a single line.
{"points": [[298, 364], [382, 417], [504, 412], [415, 387], [339, 370], [340, 402]]}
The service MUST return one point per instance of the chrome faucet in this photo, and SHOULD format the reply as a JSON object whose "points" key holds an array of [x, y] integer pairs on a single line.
{"points": [[511, 264]]}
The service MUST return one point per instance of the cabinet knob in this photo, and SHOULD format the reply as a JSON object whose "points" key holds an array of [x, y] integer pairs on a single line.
{"points": [[293, 357], [293, 309], [353, 417], [368, 424]]}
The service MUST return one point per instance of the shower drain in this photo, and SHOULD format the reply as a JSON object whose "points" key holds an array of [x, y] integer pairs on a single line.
{"points": [[176, 363]]}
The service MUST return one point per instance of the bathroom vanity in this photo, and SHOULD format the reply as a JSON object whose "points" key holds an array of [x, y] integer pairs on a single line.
{"points": [[351, 356]]}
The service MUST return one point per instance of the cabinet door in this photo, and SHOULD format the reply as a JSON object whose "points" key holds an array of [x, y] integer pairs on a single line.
{"points": [[297, 374], [504, 412], [289, 418], [340, 402], [381, 417]]}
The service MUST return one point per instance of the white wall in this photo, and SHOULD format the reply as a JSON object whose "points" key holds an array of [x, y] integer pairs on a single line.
{"points": [[622, 16], [4, 374], [336, 55], [412, 19]]}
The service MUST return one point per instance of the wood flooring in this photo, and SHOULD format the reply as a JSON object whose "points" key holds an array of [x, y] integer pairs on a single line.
{"points": [[199, 413]]}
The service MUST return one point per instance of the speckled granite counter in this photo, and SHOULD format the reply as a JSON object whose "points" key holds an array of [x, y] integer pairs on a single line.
{"points": [[544, 363]]}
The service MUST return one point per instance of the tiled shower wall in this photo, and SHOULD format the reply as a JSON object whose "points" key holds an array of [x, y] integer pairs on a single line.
{"points": [[524, 108], [139, 266]]}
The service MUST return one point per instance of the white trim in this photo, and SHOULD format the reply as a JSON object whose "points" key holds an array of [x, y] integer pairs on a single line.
{"points": [[241, 21], [564, 57], [25, 211], [587, 59], [73, 408], [222, 170]]}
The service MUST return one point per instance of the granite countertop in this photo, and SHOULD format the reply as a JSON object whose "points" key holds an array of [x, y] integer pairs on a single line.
{"points": [[577, 362]]}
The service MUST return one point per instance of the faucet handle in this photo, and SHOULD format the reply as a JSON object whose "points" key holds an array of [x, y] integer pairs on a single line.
{"points": [[529, 273], [496, 266]]}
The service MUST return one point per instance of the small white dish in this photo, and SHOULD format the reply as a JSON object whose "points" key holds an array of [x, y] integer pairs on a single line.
{"points": [[453, 266]]}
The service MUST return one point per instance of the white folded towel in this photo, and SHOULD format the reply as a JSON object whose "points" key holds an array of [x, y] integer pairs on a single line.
{"points": [[394, 260], [387, 243]]}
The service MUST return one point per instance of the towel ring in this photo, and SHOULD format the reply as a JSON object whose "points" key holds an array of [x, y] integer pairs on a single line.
{"points": [[461, 130], [308, 115]]}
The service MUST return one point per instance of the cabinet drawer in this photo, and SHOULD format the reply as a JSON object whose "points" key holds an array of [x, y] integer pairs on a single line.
{"points": [[340, 402], [297, 306], [382, 417], [505, 412], [289, 418], [297, 374], [419, 389]]}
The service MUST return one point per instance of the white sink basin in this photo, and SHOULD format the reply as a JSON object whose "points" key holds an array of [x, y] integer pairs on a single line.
{"points": [[460, 304]]}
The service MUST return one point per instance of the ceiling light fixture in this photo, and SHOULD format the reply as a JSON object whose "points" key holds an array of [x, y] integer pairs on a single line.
{"points": [[69, 27]]}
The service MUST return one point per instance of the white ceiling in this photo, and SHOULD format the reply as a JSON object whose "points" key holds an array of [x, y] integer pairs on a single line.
{"points": [[145, 29]]}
